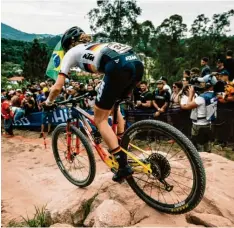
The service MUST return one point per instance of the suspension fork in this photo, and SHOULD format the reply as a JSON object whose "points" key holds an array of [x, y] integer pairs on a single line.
{"points": [[77, 138], [68, 133]]}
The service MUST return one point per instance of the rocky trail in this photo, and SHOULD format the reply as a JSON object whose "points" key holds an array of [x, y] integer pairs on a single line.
{"points": [[30, 177]]}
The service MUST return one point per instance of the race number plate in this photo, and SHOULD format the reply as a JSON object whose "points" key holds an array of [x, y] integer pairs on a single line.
{"points": [[119, 48]]}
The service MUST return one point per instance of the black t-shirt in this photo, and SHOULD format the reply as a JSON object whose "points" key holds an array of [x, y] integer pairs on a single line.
{"points": [[205, 71], [161, 97], [219, 87], [145, 96], [136, 94], [229, 65]]}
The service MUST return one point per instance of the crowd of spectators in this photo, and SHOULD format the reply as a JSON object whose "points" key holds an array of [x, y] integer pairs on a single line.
{"points": [[22, 102], [161, 100]]}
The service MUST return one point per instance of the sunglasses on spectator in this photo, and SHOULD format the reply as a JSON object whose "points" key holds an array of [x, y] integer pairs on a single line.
{"points": [[174, 87]]}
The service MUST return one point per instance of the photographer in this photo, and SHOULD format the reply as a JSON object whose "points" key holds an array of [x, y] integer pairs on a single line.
{"points": [[203, 112]]}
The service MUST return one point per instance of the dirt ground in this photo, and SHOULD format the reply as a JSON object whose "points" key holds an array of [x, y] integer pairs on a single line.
{"points": [[31, 177]]}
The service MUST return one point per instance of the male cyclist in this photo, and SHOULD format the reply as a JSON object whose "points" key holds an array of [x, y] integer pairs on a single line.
{"points": [[122, 69]]}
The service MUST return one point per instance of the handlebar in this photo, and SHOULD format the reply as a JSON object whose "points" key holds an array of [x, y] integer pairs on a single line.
{"points": [[73, 100]]}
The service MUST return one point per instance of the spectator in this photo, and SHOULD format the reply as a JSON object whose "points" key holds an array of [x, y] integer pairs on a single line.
{"points": [[194, 72], [96, 82], [145, 97], [203, 112], [7, 116], [161, 98], [205, 68], [28, 103], [137, 93], [72, 92], [186, 74], [222, 80], [40, 98], [229, 64], [175, 96], [3, 92], [44, 87], [77, 86], [165, 85], [20, 94], [185, 81], [90, 100], [47, 115]]}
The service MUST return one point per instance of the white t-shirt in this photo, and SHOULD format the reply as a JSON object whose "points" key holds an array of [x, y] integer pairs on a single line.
{"points": [[200, 111], [184, 100]]}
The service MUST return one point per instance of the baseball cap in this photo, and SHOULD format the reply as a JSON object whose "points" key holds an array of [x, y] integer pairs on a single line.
{"points": [[160, 81], [224, 72], [11, 92], [19, 90], [220, 61]]}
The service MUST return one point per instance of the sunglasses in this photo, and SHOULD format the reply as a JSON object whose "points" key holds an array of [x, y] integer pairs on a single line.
{"points": [[174, 87]]}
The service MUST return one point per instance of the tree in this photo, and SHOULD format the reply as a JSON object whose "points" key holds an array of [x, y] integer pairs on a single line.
{"points": [[170, 46], [10, 69], [36, 59], [114, 18]]}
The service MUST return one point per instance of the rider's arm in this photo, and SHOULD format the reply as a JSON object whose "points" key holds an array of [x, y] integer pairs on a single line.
{"points": [[68, 61]]}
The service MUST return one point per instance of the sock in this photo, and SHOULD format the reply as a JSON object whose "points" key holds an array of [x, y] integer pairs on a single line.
{"points": [[120, 156]]}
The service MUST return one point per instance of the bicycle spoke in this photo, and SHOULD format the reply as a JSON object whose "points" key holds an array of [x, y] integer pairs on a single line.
{"points": [[182, 176]]}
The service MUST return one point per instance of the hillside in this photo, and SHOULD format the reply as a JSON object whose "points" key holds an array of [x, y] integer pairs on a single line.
{"points": [[8, 32]]}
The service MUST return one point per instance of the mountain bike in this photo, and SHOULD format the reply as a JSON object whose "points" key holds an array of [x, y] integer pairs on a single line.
{"points": [[168, 173]]}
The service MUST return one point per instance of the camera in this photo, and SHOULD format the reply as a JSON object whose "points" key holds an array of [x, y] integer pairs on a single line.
{"points": [[195, 83]]}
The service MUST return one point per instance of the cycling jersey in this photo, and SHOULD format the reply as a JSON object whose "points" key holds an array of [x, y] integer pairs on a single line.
{"points": [[121, 66], [90, 57]]}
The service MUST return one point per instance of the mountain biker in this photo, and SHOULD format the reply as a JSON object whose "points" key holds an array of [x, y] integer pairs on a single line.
{"points": [[122, 69]]}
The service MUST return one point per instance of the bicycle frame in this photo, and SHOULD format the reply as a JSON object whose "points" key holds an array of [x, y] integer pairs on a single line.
{"points": [[82, 116]]}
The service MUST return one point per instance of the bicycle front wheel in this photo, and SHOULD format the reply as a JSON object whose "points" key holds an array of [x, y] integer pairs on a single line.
{"points": [[78, 164], [177, 182]]}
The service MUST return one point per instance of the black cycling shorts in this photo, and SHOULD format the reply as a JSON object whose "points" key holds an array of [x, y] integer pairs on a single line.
{"points": [[121, 75]]}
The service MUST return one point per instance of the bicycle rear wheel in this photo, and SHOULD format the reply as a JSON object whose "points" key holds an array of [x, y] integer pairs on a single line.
{"points": [[79, 166], [177, 182]]}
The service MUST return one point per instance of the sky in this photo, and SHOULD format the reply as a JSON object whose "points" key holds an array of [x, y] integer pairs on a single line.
{"points": [[55, 16]]}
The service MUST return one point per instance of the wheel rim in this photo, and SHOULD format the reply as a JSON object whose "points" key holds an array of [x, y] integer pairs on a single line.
{"points": [[74, 165], [172, 160]]}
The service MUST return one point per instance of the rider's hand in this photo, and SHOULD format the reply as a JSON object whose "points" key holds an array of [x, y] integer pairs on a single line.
{"points": [[47, 106]]}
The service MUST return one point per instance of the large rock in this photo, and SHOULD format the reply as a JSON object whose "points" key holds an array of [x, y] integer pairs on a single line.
{"points": [[61, 225], [110, 214], [219, 197], [209, 220], [147, 216]]}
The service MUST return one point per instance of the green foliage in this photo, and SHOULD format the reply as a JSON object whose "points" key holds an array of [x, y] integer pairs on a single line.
{"points": [[39, 219], [114, 19], [13, 50], [36, 59], [51, 41], [9, 69]]}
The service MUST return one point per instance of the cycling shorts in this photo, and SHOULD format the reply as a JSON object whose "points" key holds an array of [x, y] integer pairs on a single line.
{"points": [[121, 75]]}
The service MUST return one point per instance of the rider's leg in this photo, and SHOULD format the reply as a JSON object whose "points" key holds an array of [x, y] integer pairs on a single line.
{"points": [[101, 121], [121, 123]]}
